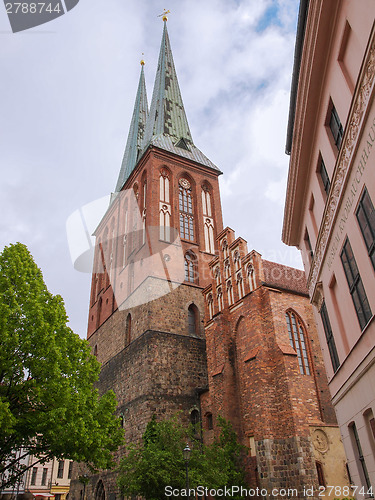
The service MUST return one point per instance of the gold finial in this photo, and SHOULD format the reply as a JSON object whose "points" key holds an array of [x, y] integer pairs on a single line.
{"points": [[164, 14], [142, 60]]}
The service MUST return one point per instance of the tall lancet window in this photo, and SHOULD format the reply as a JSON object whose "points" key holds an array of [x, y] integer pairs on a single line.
{"points": [[208, 221], [240, 287], [251, 277], [186, 211], [220, 299], [297, 338], [230, 293], [125, 236], [190, 267], [210, 304], [144, 211], [112, 252], [165, 210]]}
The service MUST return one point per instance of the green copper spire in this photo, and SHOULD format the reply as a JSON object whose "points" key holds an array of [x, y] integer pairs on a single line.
{"points": [[136, 132], [167, 126]]}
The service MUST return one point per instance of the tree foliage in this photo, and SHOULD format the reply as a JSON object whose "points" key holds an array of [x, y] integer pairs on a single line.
{"points": [[48, 404], [158, 461]]}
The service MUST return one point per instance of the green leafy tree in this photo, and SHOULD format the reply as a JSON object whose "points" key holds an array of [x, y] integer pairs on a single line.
{"points": [[48, 404], [158, 461]]}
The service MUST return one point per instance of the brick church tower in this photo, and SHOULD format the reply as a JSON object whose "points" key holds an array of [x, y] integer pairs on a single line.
{"points": [[153, 247]]}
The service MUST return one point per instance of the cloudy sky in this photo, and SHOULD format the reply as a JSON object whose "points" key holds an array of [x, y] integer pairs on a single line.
{"points": [[67, 94]]}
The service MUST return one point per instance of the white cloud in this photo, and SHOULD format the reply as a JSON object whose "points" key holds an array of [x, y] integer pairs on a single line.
{"points": [[67, 99]]}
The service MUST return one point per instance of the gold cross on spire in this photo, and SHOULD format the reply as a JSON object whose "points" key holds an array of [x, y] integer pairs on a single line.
{"points": [[164, 14]]}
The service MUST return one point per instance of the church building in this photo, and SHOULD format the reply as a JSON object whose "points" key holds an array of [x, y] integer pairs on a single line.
{"points": [[183, 318]]}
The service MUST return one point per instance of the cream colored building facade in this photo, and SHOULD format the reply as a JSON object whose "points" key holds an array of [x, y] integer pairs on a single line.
{"points": [[329, 210], [42, 480]]}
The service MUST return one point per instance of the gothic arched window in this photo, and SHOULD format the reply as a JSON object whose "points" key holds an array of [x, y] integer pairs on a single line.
{"points": [[193, 314], [230, 293], [208, 222], [165, 209], [210, 304], [237, 260], [186, 210], [144, 198], [240, 287], [125, 236], [226, 269], [128, 330], [209, 421], [220, 299], [131, 277], [206, 201], [297, 338], [217, 275], [225, 249], [319, 470], [190, 267], [251, 276], [99, 491]]}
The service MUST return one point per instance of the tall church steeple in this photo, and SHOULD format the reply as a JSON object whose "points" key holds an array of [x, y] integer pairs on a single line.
{"points": [[136, 133], [167, 126]]}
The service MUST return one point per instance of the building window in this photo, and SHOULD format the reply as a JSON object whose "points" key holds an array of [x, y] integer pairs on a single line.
{"points": [[308, 246], [297, 335], [100, 492], [324, 176], [125, 237], [33, 475], [131, 277], [60, 470], [220, 299], [217, 275], [208, 221], [209, 236], [192, 319], [209, 422], [96, 351], [240, 287], [230, 293], [251, 277], [319, 470], [190, 267], [44, 476], [165, 210], [128, 329], [210, 304], [336, 127], [227, 269], [356, 288], [237, 260], [70, 470], [194, 418], [359, 453], [225, 249], [329, 337], [372, 426], [186, 211], [144, 212], [366, 218]]}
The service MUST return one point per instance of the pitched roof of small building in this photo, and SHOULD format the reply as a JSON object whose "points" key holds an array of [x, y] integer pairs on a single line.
{"points": [[284, 277]]}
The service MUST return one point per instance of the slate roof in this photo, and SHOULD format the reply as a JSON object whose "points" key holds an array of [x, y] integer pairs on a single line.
{"points": [[167, 126], [136, 132]]}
